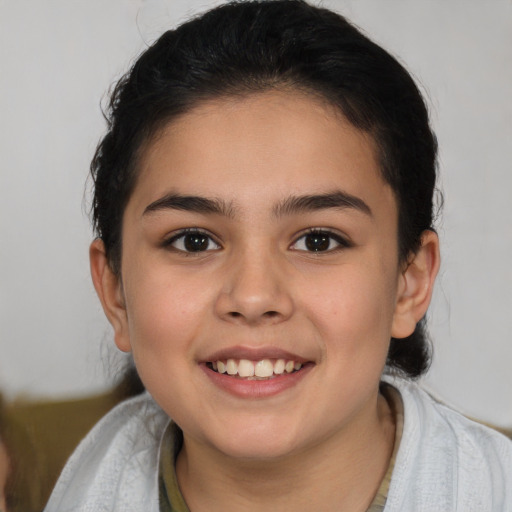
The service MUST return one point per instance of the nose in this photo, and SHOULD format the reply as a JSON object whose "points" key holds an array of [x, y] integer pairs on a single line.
{"points": [[256, 290]]}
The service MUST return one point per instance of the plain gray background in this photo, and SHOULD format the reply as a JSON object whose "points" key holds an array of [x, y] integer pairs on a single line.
{"points": [[57, 60]]}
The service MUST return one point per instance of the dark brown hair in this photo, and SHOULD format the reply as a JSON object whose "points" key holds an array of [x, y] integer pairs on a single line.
{"points": [[248, 47]]}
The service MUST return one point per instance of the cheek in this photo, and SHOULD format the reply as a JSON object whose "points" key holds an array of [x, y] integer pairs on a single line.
{"points": [[165, 311], [166, 315], [354, 309]]}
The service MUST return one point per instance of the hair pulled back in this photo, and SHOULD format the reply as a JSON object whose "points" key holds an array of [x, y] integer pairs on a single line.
{"points": [[248, 47]]}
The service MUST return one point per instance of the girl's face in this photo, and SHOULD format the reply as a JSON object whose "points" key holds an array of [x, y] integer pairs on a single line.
{"points": [[260, 238]]}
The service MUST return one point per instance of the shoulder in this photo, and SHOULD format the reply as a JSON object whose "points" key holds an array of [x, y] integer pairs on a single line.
{"points": [[115, 467], [446, 461]]}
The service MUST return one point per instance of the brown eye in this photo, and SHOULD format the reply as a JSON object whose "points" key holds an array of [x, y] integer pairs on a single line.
{"points": [[319, 241], [193, 241]]}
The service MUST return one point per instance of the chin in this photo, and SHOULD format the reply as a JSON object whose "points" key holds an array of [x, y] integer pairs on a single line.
{"points": [[260, 441]]}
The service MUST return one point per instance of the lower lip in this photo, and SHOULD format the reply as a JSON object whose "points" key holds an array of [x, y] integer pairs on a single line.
{"points": [[255, 389]]}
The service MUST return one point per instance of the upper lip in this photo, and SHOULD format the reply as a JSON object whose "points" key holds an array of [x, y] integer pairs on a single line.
{"points": [[254, 354]]}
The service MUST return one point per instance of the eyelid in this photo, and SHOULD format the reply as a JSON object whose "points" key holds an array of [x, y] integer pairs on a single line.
{"points": [[341, 239], [176, 235]]}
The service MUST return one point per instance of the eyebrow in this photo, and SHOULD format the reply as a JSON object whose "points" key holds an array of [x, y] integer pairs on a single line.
{"points": [[309, 203], [289, 206], [195, 204]]}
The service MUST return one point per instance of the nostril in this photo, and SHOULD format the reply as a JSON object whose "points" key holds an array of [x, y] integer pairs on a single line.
{"points": [[267, 314]]}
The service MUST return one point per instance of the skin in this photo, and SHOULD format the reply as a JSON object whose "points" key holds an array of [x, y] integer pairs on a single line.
{"points": [[323, 443]]}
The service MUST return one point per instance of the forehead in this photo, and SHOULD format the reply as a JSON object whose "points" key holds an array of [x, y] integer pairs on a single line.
{"points": [[259, 147]]}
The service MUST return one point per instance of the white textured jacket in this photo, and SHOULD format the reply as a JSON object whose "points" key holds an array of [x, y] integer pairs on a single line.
{"points": [[445, 462]]}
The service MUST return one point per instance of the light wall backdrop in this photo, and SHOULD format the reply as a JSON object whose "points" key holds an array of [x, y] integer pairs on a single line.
{"points": [[57, 60]]}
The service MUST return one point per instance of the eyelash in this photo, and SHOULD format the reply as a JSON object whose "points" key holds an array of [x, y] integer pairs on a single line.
{"points": [[182, 234], [323, 236], [326, 235]]}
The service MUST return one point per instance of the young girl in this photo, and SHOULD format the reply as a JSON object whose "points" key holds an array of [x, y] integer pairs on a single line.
{"points": [[264, 207]]}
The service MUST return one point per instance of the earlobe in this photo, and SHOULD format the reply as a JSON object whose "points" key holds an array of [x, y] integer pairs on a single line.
{"points": [[416, 284], [110, 292]]}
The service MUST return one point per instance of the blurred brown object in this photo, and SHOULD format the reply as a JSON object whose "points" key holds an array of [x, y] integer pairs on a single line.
{"points": [[51, 432], [22, 487], [41, 435]]}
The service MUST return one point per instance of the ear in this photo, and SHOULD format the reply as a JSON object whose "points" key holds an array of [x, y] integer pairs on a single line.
{"points": [[110, 292], [415, 286]]}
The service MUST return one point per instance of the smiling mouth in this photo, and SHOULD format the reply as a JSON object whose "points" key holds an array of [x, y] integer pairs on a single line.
{"points": [[263, 369]]}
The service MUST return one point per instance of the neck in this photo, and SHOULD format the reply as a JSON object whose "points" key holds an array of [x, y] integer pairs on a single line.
{"points": [[342, 472]]}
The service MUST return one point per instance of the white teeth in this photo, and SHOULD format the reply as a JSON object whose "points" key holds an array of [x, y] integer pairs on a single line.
{"points": [[245, 368], [264, 368], [279, 366], [231, 367], [289, 366]]}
